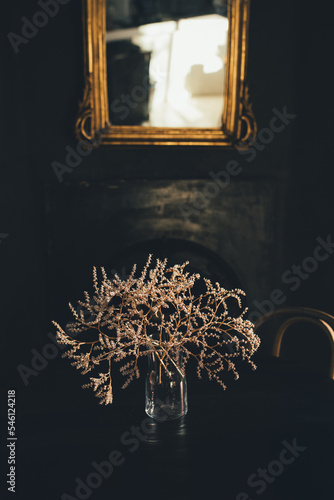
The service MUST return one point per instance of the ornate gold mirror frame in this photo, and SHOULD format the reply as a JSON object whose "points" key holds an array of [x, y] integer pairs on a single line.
{"points": [[238, 122]]}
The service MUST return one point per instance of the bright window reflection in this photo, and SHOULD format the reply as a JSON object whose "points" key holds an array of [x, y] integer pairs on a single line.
{"points": [[185, 62]]}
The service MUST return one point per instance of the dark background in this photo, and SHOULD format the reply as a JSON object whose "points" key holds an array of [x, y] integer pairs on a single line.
{"points": [[57, 231]]}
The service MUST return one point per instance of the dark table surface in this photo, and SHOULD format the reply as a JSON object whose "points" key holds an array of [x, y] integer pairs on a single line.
{"points": [[230, 445]]}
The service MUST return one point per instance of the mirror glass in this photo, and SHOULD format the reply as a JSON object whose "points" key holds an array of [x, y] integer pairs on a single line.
{"points": [[166, 62]]}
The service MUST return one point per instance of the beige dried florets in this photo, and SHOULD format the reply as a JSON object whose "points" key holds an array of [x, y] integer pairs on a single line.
{"points": [[156, 313]]}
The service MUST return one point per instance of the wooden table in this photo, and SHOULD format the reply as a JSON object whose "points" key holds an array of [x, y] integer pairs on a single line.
{"points": [[269, 436]]}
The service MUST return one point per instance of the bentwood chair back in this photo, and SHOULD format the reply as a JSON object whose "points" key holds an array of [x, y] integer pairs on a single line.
{"points": [[293, 315]]}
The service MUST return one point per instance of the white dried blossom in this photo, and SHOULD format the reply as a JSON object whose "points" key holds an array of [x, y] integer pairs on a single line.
{"points": [[156, 312]]}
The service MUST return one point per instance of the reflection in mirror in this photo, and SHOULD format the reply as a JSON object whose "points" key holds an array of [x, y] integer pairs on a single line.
{"points": [[166, 62]]}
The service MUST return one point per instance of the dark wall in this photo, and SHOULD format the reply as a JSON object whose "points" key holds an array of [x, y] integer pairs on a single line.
{"points": [[289, 56]]}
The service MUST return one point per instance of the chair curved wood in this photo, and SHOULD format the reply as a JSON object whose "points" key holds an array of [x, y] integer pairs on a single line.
{"points": [[321, 319]]}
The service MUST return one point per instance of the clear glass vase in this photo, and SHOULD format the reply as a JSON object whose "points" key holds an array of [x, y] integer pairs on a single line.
{"points": [[165, 390]]}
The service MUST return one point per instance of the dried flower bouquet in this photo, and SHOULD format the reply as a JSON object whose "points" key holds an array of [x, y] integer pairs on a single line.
{"points": [[156, 312]]}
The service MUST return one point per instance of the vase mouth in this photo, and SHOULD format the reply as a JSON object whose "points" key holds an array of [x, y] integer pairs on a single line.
{"points": [[171, 366]]}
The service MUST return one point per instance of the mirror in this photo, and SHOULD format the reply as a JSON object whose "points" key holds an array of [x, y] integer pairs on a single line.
{"points": [[166, 72]]}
